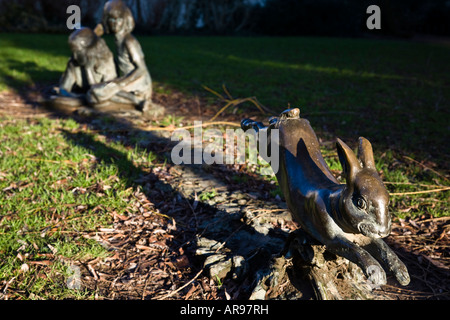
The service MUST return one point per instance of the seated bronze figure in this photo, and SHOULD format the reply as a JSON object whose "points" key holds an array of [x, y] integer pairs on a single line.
{"points": [[101, 83], [349, 219], [134, 84], [91, 63]]}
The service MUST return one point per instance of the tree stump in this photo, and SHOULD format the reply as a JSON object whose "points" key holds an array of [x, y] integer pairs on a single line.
{"points": [[306, 270]]}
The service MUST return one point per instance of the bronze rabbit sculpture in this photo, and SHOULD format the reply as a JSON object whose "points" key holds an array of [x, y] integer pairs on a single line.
{"points": [[349, 219]]}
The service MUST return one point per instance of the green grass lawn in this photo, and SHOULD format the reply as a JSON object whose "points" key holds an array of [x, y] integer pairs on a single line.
{"points": [[395, 93], [54, 191]]}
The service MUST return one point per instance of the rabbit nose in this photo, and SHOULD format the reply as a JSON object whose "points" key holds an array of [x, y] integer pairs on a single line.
{"points": [[384, 231], [382, 217], [384, 227]]}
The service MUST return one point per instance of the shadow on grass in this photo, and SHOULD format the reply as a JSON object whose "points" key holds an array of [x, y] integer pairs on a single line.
{"points": [[195, 219], [216, 225], [18, 74], [208, 222]]}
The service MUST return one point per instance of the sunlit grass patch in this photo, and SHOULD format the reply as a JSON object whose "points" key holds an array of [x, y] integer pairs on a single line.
{"points": [[55, 194]]}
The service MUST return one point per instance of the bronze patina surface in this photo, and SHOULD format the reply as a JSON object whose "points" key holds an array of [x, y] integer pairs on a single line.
{"points": [[349, 219]]}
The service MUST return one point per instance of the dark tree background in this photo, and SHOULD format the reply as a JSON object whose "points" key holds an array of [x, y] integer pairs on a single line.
{"points": [[267, 17]]}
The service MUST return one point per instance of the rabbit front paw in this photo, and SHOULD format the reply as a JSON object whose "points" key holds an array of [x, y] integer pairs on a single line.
{"points": [[401, 274], [376, 275]]}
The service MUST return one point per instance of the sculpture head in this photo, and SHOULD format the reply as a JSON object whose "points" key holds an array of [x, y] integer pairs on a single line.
{"points": [[117, 17], [365, 201], [80, 41], [89, 49]]}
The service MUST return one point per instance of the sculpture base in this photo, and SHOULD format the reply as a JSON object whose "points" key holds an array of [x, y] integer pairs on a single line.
{"points": [[307, 271], [63, 104]]}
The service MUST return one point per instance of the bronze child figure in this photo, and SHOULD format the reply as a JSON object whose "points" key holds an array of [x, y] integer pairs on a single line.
{"points": [[349, 219], [91, 63], [134, 84]]}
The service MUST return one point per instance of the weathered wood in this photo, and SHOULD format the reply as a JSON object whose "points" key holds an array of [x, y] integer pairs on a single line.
{"points": [[307, 271]]}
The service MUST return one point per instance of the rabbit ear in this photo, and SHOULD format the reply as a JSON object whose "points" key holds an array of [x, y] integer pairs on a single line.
{"points": [[365, 153], [349, 162]]}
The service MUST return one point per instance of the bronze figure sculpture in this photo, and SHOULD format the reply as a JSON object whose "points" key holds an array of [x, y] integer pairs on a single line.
{"points": [[134, 85], [91, 63], [127, 84], [349, 219]]}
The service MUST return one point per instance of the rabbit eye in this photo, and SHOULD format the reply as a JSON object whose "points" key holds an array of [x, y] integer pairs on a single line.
{"points": [[361, 204]]}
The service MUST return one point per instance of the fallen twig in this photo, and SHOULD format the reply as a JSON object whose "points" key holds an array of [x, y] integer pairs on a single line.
{"points": [[180, 288], [434, 219], [205, 124], [412, 184], [70, 162], [230, 101], [425, 167], [419, 192]]}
